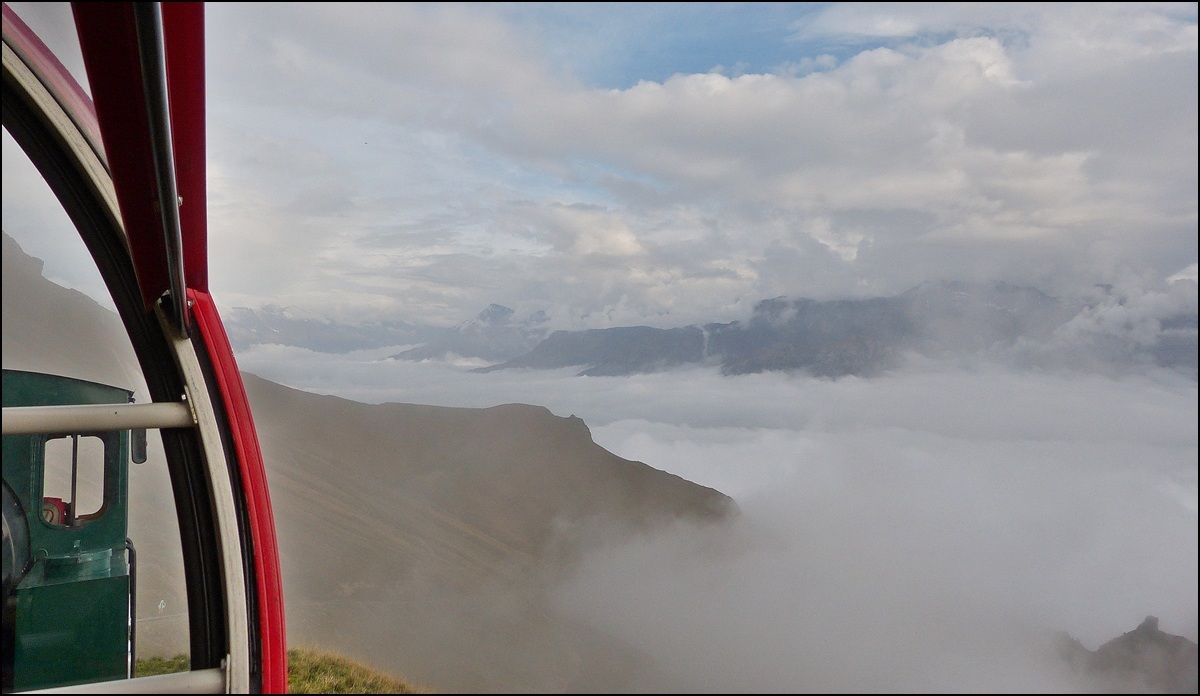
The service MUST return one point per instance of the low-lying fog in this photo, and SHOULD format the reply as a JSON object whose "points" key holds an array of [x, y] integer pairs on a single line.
{"points": [[924, 530]]}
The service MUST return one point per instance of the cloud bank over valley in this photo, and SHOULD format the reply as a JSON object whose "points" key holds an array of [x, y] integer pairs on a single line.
{"points": [[929, 529]]}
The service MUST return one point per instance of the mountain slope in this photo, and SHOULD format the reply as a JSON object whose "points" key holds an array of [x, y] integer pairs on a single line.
{"points": [[415, 536], [49, 328], [1143, 660]]}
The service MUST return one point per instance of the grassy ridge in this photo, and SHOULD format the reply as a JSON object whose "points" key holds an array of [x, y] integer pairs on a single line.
{"points": [[309, 672]]}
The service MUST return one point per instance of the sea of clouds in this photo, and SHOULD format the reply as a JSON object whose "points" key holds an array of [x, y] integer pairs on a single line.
{"points": [[929, 529]]}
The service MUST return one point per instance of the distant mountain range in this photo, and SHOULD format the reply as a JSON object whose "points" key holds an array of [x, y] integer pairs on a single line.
{"points": [[491, 336], [832, 338], [852, 337]]}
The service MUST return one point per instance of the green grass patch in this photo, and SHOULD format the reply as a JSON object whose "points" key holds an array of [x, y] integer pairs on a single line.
{"points": [[309, 672], [312, 672], [161, 665]]}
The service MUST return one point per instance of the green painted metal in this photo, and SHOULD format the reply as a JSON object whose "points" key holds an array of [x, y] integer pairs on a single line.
{"points": [[72, 607], [72, 633]]}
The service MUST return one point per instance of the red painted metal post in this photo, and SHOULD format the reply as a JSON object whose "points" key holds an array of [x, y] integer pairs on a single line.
{"points": [[254, 482], [183, 31], [109, 43]]}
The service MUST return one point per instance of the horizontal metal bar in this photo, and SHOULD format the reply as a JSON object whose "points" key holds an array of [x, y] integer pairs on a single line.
{"points": [[95, 418], [201, 681]]}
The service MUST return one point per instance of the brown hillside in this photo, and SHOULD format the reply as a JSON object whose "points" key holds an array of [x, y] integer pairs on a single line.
{"points": [[422, 538], [508, 478], [49, 328]]}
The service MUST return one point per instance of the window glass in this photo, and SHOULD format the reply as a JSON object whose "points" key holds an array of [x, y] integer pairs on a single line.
{"points": [[72, 479], [103, 531]]}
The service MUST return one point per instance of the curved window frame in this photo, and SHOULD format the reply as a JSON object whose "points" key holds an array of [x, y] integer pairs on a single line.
{"points": [[233, 589]]}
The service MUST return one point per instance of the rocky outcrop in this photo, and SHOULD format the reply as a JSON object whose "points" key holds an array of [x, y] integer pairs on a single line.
{"points": [[1145, 659]]}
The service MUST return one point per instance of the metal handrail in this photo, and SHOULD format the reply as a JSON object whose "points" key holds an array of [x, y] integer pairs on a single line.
{"points": [[201, 681], [147, 18], [95, 418]]}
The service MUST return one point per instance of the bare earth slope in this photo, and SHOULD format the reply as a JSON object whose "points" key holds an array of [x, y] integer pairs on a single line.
{"points": [[49, 328], [421, 538]]}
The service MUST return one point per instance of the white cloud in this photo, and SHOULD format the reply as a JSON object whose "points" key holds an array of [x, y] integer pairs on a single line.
{"points": [[962, 154], [423, 162], [1110, 32], [1188, 273], [579, 230]]}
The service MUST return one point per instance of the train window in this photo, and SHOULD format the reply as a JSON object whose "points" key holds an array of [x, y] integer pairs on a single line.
{"points": [[73, 480]]}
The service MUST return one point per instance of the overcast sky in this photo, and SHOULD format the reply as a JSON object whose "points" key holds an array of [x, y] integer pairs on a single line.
{"points": [[619, 165]]}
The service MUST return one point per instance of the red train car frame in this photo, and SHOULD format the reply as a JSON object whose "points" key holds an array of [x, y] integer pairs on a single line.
{"points": [[128, 166]]}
